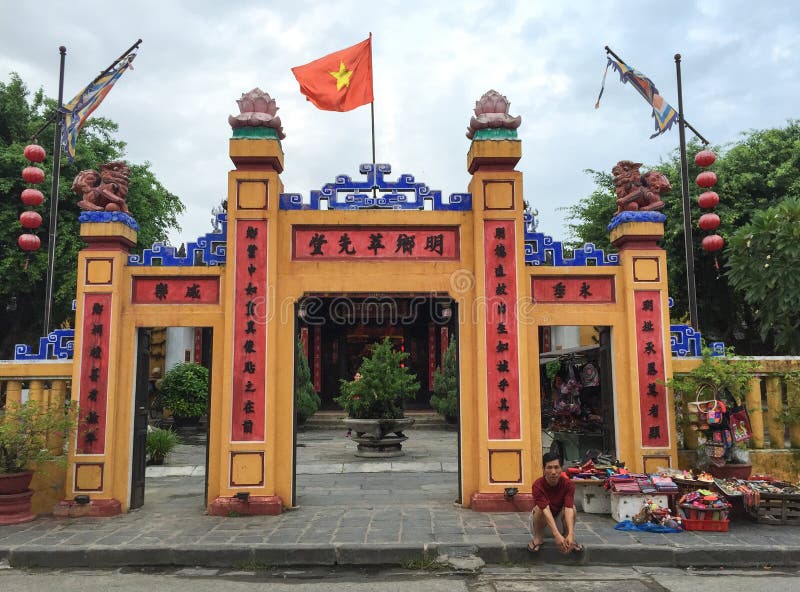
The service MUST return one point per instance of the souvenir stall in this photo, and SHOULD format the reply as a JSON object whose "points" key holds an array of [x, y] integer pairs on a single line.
{"points": [[577, 403], [724, 429]]}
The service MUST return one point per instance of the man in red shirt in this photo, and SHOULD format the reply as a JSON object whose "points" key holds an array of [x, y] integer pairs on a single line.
{"points": [[554, 507]]}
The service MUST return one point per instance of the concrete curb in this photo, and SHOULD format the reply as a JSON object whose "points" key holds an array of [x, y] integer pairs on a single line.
{"points": [[354, 555]]}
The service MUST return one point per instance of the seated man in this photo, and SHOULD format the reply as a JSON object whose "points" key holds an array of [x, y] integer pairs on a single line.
{"points": [[554, 507]]}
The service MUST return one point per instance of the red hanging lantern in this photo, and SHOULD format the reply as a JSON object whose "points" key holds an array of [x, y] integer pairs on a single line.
{"points": [[708, 200], [30, 219], [705, 158], [706, 179], [713, 242], [32, 197], [29, 242], [708, 222], [33, 175], [34, 153]]}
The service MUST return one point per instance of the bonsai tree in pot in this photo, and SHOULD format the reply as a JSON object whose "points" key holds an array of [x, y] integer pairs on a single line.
{"points": [[718, 378], [184, 391], [374, 401], [306, 399], [31, 434], [445, 385]]}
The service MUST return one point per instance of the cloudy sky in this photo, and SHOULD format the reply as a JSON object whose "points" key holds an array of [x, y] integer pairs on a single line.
{"points": [[431, 61]]}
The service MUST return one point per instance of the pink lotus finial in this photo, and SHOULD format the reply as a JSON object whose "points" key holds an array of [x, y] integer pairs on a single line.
{"points": [[491, 112], [257, 109]]}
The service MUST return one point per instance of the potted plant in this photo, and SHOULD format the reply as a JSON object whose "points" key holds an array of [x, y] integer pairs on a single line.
{"points": [[31, 434], [306, 399], [374, 400], [160, 443], [722, 378], [184, 391], [445, 385]]}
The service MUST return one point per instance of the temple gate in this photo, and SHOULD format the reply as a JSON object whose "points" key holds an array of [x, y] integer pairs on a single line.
{"points": [[478, 252]]}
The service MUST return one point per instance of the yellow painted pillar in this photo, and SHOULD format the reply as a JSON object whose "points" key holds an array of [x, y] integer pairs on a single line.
{"points": [[775, 425], [13, 392], [504, 450], [36, 392], [793, 402], [255, 426], [689, 435], [99, 451], [58, 391], [645, 414], [753, 404]]}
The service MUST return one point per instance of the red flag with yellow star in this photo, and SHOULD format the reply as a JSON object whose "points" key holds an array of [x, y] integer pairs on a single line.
{"points": [[340, 81]]}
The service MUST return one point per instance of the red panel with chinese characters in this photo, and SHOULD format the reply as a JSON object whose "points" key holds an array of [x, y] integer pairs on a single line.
{"points": [[375, 243], [582, 289], [502, 349], [93, 399], [172, 290], [250, 332], [653, 405]]}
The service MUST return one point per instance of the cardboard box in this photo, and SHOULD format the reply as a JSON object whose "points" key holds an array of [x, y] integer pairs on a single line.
{"points": [[625, 506]]}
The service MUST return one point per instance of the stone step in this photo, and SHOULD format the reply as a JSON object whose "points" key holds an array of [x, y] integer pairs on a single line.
{"points": [[333, 420]]}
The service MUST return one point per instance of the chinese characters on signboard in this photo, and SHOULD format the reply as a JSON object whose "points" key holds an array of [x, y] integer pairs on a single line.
{"points": [[94, 374], [175, 290], [650, 356], [377, 242], [249, 331], [502, 353], [586, 289]]}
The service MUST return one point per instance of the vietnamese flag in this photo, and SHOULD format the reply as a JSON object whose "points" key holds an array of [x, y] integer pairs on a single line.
{"points": [[340, 81]]}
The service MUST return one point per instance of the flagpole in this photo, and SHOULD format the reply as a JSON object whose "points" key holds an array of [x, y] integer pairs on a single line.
{"points": [[51, 244], [687, 215], [374, 164]]}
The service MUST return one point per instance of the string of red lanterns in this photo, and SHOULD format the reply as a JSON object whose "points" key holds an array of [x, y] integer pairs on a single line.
{"points": [[708, 200], [29, 219]]}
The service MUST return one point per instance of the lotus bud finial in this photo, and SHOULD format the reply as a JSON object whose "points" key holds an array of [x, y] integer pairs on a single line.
{"points": [[491, 112], [257, 109]]}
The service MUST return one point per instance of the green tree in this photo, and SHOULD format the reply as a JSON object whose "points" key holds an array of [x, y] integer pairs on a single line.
{"points": [[23, 275], [381, 386], [764, 262], [184, 390], [306, 399], [445, 385], [754, 173]]}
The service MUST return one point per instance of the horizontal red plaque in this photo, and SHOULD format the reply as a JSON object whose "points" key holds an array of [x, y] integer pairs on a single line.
{"points": [[175, 290], [591, 289], [418, 243]]}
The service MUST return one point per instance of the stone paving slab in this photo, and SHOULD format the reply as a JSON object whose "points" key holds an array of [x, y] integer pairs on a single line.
{"points": [[360, 518]]}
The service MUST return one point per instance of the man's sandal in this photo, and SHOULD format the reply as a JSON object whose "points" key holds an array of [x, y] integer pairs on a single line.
{"points": [[577, 548], [534, 547]]}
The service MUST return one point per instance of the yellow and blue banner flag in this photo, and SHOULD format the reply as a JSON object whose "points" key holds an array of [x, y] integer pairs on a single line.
{"points": [[663, 112], [78, 110]]}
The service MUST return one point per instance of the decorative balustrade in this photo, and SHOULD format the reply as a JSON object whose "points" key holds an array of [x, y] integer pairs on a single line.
{"points": [[773, 403]]}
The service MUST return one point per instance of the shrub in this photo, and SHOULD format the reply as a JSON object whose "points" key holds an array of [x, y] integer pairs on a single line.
{"points": [[445, 385], [381, 385], [306, 399], [184, 390], [27, 431], [160, 443]]}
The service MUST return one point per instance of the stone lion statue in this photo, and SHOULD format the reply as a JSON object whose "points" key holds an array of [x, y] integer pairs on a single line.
{"points": [[637, 192], [104, 191]]}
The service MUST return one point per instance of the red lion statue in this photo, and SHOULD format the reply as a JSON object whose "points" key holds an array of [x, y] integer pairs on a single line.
{"points": [[104, 191], [637, 192]]}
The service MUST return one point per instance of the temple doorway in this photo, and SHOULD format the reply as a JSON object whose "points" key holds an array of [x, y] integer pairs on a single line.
{"points": [[576, 390], [340, 330]]}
